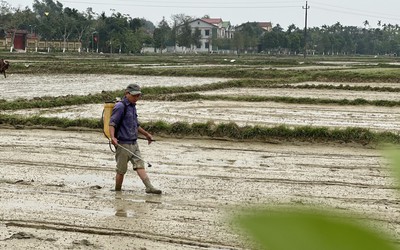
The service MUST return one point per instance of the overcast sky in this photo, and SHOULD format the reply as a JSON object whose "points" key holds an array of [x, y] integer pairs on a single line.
{"points": [[320, 12]]}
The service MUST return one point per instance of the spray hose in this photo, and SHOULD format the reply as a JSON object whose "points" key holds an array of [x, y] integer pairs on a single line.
{"points": [[133, 154]]}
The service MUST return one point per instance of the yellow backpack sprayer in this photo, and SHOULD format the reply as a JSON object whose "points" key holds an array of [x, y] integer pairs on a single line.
{"points": [[105, 118]]}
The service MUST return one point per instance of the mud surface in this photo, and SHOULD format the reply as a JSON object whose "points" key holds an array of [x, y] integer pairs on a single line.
{"points": [[358, 84], [245, 113], [309, 93], [272, 114], [56, 186], [56, 190], [30, 86]]}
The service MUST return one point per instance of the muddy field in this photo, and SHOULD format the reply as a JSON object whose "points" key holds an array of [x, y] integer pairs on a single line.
{"points": [[56, 185], [30, 86], [333, 94], [259, 113]]}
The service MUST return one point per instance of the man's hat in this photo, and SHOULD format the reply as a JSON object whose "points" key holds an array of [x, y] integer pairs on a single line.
{"points": [[133, 89]]}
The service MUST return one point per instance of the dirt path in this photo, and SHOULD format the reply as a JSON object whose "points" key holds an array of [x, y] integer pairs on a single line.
{"points": [[55, 188]]}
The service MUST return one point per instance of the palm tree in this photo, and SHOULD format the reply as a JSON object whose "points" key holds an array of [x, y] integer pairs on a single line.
{"points": [[366, 23]]}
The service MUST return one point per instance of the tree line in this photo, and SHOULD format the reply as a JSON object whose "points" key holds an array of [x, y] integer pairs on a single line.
{"points": [[120, 33]]}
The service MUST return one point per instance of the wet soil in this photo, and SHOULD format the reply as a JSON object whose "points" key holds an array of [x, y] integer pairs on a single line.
{"points": [[245, 113], [56, 186], [30, 86], [309, 93]]}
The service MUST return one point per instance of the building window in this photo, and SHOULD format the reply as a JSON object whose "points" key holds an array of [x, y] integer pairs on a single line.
{"points": [[199, 46], [207, 45], [207, 32]]}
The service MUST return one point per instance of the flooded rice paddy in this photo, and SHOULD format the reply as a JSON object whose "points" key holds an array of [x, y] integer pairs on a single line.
{"points": [[56, 185]]}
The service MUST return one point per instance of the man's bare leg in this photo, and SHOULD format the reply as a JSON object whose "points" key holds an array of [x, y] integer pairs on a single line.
{"points": [[119, 178]]}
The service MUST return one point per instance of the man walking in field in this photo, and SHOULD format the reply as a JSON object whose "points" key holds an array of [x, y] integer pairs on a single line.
{"points": [[124, 129]]}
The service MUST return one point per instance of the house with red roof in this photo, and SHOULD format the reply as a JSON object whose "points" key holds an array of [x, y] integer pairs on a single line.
{"points": [[211, 29], [266, 26]]}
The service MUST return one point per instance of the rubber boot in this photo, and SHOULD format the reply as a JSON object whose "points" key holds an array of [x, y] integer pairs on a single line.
{"points": [[150, 189]]}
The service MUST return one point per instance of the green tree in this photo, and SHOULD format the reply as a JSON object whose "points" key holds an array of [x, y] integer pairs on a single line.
{"points": [[276, 40], [251, 34], [238, 42], [196, 38], [161, 35], [69, 20], [184, 37], [181, 28], [85, 21], [136, 24], [50, 25]]}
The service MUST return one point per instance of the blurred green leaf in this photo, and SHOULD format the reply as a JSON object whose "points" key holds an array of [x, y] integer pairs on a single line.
{"points": [[293, 229], [393, 154]]}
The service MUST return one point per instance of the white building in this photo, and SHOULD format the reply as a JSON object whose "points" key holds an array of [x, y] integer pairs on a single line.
{"points": [[210, 28]]}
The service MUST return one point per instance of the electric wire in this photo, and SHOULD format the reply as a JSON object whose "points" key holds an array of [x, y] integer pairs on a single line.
{"points": [[186, 6], [354, 12]]}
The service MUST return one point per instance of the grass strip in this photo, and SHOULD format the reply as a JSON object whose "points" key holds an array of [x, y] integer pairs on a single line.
{"points": [[250, 59], [380, 74], [185, 94], [280, 99], [335, 87], [150, 93], [225, 130]]}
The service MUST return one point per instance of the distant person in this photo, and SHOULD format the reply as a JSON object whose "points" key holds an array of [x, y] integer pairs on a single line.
{"points": [[124, 129]]}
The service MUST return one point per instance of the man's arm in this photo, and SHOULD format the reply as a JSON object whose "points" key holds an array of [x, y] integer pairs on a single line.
{"points": [[148, 136], [112, 135]]}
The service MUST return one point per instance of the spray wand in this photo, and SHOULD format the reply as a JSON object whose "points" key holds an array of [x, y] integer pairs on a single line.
{"points": [[133, 154]]}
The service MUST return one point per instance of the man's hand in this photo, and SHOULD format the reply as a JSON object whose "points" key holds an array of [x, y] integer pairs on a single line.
{"points": [[146, 134], [114, 141], [149, 138]]}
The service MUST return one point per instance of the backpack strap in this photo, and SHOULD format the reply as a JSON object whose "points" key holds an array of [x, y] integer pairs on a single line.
{"points": [[123, 116]]}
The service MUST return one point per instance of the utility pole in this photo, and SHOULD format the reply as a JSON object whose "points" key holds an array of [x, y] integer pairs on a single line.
{"points": [[305, 30]]}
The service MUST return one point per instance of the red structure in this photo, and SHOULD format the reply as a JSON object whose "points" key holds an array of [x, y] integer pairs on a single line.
{"points": [[25, 41], [20, 39]]}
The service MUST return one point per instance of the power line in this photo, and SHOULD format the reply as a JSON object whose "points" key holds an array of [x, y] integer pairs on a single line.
{"points": [[341, 8], [354, 12], [197, 5], [186, 2]]}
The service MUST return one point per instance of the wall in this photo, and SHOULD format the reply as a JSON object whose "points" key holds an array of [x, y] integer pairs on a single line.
{"points": [[34, 45]]}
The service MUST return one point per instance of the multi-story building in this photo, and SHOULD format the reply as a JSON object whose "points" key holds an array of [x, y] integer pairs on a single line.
{"points": [[210, 29]]}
